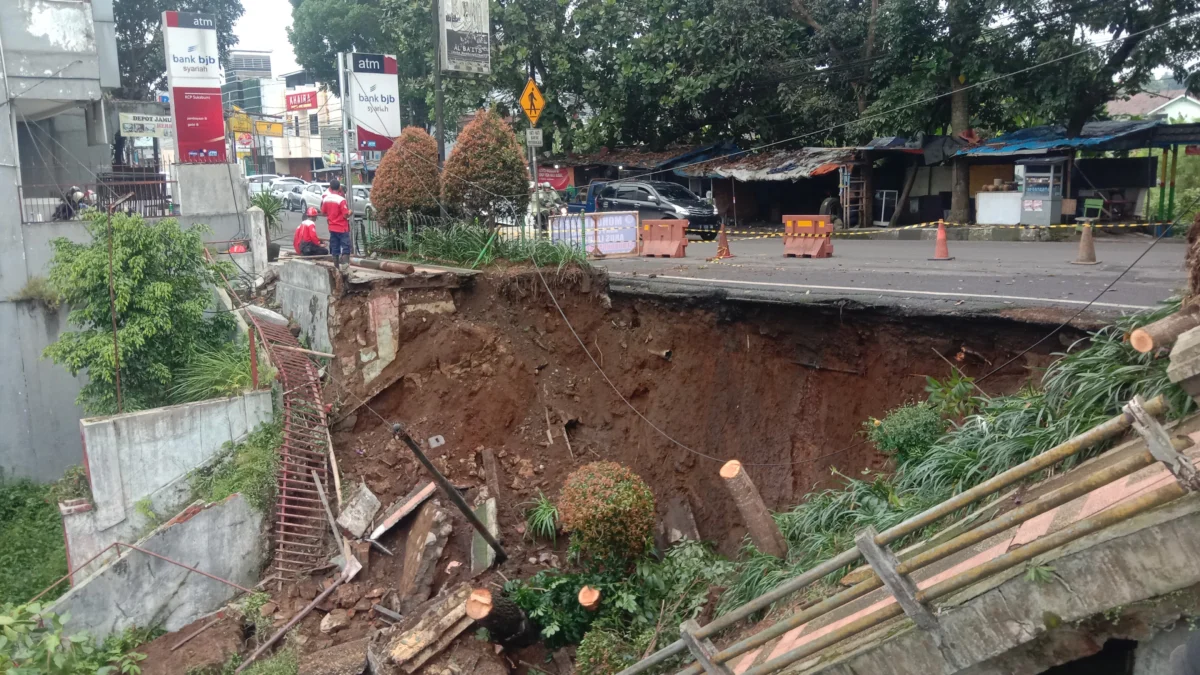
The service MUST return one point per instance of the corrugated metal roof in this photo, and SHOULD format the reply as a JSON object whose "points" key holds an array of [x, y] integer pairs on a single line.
{"points": [[630, 158], [772, 165], [1108, 135]]}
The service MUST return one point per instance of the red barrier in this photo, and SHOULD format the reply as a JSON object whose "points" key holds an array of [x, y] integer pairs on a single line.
{"points": [[666, 238], [807, 237]]}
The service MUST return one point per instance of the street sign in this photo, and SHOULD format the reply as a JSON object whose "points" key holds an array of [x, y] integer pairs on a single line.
{"points": [[532, 102], [533, 138]]}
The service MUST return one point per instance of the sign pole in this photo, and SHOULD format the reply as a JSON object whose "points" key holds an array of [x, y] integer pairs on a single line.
{"points": [[537, 214], [343, 63], [438, 102]]}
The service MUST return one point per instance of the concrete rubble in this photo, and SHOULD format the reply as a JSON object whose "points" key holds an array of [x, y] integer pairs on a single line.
{"points": [[349, 658], [482, 555], [426, 539], [358, 513], [443, 621]]}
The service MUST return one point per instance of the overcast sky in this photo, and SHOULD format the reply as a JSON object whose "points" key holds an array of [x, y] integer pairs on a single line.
{"points": [[263, 27]]}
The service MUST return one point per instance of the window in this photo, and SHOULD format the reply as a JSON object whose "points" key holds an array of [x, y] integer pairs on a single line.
{"points": [[674, 191], [628, 192], [314, 125]]}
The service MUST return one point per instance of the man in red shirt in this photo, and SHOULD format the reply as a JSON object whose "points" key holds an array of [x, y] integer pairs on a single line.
{"points": [[337, 212], [306, 241]]}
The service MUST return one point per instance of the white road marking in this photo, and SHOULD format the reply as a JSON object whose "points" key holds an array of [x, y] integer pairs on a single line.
{"points": [[895, 291]]}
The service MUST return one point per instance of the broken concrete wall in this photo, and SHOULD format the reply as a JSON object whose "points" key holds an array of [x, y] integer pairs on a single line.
{"points": [[225, 539], [141, 460], [992, 628], [304, 292]]}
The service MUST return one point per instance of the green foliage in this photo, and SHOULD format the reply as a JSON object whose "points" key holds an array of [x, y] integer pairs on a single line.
{"points": [[162, 291], [145, 508], [485, 175], [907, 432], [252, 614], [1083, 388], [214, 372], [407, 178], [248, 467], [603, 652], [32, 552], [140, 42], [472, 245], [542, 519], [608, 510], [1040, 574], [272, 208], [286, 661], [33, 643], [656, 595], [73, 485], [38, 289], [953, 397]]}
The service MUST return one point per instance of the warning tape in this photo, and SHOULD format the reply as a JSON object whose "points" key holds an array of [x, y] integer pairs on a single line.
{"points": [[917, 226]]}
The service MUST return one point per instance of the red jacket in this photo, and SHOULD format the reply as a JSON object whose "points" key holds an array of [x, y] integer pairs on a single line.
{"points": [[306, 232], [336, 210]]}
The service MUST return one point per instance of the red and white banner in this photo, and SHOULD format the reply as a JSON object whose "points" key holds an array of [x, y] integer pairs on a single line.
{"points": [[194, 80], [375, 100], [301, 100], [559, 179]]}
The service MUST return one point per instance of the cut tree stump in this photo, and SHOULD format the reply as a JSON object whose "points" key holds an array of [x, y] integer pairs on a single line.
{"points": [[763, 530], [505, 622], [1164, 332], [589, 598]]}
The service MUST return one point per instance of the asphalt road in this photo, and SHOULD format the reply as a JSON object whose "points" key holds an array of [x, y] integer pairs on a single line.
{"points": [[984, 276]]}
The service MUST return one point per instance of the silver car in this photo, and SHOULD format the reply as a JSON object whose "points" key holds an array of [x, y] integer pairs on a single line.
{"points": [[312, 194], [361, 205], [284, 185]]}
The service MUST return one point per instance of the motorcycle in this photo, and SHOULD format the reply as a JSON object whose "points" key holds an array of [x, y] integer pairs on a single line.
{"points": [[73, 201]]}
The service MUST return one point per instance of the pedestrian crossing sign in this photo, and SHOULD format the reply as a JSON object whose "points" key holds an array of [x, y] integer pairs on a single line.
{"points": [[532, 102]]}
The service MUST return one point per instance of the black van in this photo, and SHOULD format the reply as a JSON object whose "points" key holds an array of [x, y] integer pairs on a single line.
{"points": [[660, 200]]}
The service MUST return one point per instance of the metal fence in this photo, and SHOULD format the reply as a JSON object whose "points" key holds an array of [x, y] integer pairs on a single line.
{"points": [[1158, 446], [46, 203]]}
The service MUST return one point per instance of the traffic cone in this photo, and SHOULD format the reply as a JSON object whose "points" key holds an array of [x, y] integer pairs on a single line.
{"points": [[722, 246], [1087, 248], [940, 250]]}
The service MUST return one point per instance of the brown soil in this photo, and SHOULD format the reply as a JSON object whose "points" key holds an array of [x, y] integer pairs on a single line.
{"points": [[209, 649]]}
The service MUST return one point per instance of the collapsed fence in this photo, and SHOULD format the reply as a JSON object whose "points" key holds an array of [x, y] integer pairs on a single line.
{"points": [[1157, 446]]}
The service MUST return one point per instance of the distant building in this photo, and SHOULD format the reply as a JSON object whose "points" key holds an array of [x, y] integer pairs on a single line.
{"points": [[247, 64], [1171, 104]]}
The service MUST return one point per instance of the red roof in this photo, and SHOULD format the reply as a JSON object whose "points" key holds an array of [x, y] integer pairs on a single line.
{"points": [[1143, 103]]}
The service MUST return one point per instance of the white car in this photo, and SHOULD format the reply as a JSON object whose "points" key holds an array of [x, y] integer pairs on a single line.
{"points": [[312, 194], [284, 185], [261, 182]]}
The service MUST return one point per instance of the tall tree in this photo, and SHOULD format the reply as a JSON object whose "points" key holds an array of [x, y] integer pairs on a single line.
{"points": [[323, 28], [140, 39]]}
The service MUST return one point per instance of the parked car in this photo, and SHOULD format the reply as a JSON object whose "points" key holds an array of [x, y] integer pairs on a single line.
{"points": [[660, 200], [361, 205], [311, 195], [293, 199], [585, 200], [284, 185], [261, 182]]}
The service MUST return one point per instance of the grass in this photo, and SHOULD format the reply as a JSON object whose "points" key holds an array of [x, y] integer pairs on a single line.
{"points": [[32, 551], [214, 372], [1086, 386], [470, 245], [542, 519], [248, 467], [38, 289]]}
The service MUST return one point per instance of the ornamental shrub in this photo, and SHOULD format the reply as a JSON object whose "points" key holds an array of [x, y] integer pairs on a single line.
{"points": [[407, 178], [906, 433], [485, 175], [608, 510]]}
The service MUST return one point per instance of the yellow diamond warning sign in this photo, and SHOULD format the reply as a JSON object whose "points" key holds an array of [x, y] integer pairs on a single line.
{"points": [[532, 102]]}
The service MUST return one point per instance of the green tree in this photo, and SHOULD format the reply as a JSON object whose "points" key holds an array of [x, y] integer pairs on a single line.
{"points": [[407, 178], [163, 289], [323, 28], [485, 175], [140, 39]]}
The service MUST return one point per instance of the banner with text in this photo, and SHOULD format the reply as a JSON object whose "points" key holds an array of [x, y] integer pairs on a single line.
{"points": [[135, 125], [374, 100], [194, 82], [465, 45], [301, 100]]}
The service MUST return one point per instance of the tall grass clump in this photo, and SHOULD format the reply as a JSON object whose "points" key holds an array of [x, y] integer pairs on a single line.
{"points": [[472, 245], [248, 467], [1087, 385]]}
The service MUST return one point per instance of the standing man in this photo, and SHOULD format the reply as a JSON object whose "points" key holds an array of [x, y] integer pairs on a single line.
{"points": [[337, 213]]}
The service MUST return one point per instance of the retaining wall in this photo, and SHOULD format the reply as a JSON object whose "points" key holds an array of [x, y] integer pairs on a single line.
{"points": [[139, 461]]}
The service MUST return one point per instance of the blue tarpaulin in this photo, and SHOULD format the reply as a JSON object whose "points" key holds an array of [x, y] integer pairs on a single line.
{"points": [[1110, 135]]}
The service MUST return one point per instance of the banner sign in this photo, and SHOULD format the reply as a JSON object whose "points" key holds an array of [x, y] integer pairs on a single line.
{"points": [[559, 179], [265, 128], [301, 100], [465, 44], [609, 233], [375, 100], [150, 126], [194, 84]]}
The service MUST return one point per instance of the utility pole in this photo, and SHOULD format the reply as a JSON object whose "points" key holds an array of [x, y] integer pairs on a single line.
{"points": [[344, 62], [438, 102]]}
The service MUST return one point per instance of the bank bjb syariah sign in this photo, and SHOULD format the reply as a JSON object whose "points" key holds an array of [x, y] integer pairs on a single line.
{"points": [[375, 100], [194, 83]]}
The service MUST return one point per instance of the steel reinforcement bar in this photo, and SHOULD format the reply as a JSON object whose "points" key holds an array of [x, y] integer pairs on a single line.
{"points": [[1102, 432]]}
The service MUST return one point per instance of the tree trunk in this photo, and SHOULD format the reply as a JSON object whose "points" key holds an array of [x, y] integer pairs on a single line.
{"points": [[763, 530], [867, 217], [960, 121], [505, 622], [902, 202], [1164, 332]]}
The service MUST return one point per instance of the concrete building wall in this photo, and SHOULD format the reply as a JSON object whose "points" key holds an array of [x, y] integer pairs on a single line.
{"points": [[225, 539], [303, 293]]}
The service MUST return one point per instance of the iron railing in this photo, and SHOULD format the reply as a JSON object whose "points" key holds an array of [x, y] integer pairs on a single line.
{"points": [[1127, 461], [48, 203]]}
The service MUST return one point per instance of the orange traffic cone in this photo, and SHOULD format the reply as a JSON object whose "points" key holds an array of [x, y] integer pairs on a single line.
{"points": [[722, 246], [1087, 248], [940, 250]]}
